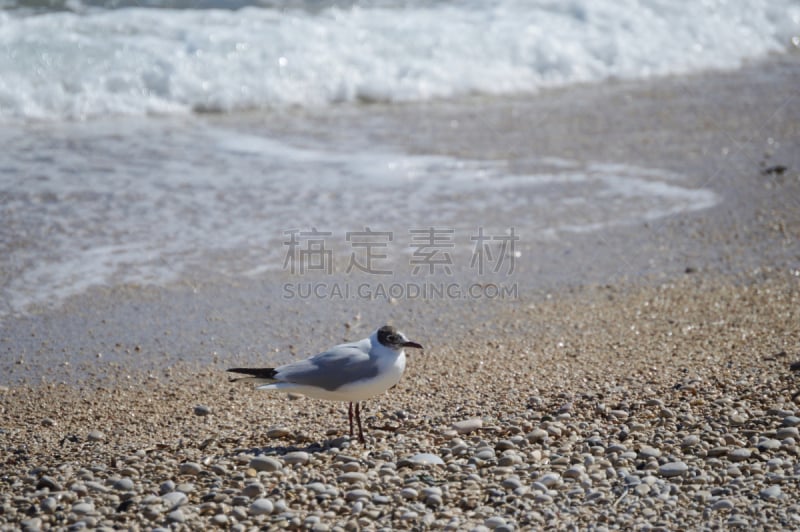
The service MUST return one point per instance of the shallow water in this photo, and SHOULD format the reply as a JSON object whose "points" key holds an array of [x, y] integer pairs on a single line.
{"points": [[150, 201]]}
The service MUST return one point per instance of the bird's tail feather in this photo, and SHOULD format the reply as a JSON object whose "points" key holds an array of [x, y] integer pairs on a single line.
{"points": [[259, 375]]}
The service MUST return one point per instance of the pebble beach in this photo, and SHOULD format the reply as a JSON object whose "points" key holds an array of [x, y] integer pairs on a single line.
{"points": [[656, 408]]}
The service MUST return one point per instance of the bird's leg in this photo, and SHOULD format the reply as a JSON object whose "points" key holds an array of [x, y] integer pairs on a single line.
{"points": [[358, 418], [350, 416]]}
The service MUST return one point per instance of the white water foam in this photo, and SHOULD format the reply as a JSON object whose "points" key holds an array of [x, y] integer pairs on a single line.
{"points": [[139, 61]]}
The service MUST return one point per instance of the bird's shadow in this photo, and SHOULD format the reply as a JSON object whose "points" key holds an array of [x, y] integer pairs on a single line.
{"points": [[341, 443]]}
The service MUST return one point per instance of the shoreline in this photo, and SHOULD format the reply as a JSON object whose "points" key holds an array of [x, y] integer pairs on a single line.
{"points": [[682, 125]]}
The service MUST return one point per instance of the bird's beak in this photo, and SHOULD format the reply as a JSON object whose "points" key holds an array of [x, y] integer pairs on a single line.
{"points": [[412, 344]]}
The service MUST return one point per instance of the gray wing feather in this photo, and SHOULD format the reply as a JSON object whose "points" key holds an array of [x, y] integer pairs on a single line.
{"points": [[330, 370]]}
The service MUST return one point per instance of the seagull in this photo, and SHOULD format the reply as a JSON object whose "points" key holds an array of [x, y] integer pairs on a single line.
{"points": [[348, 372]]}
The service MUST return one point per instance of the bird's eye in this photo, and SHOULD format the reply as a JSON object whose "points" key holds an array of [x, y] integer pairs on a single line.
{"points": [[393, 339]]}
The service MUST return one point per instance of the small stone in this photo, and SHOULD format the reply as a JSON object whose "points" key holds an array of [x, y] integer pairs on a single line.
{"points": [[493, 522], [772, 493], [739, 455], [33, 523], [409, 493], [485, 454], [190, 468], [275, 433], [49, 483], [722, 504], [166, 487], [202, 410], [124, 484], [575, 472], [261, 507], [769, 444], [504, 445], [649, 452], [82, 508], [354, 495], [185, 487], [426, 459], [48, 422], [790, 421], [220, 520], [296, 457], [265, 463], [468, 425], [353, 477], [673, 469], [96, 436], [787, 432], [49, 505], [96, 486], [176, 516], [549, 479], [253, 490], [174, 499], [690, 441]]}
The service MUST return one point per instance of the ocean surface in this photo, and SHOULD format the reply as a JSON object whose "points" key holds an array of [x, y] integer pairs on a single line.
{"points": [[143, 142]]}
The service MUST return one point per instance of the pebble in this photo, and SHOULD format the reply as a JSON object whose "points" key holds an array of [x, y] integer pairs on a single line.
{"points": [[739, 455], [166, 487], [96, 436], [722, 504], [468, 425], [549, 479], [425, 459], [124, 484], [690, 441], [673, 469], [353, 477], [83, 508], [174, 499], [772, 493], [190, 468], [261, 507], [49, 483], [34, 523], [278, 433], [202, 410], [265, 463], [354, 495], [492, 523], [296, 457], [769, 444], [176, 516], [790, 421], [49, 505], [253, 490], [536, 436], [649, 452]]}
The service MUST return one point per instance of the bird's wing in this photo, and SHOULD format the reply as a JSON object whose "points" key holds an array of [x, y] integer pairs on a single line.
{"points": [[332, 369]]}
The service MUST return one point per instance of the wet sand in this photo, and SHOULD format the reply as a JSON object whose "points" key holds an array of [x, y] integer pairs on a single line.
{"points": [[640, 379]]}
